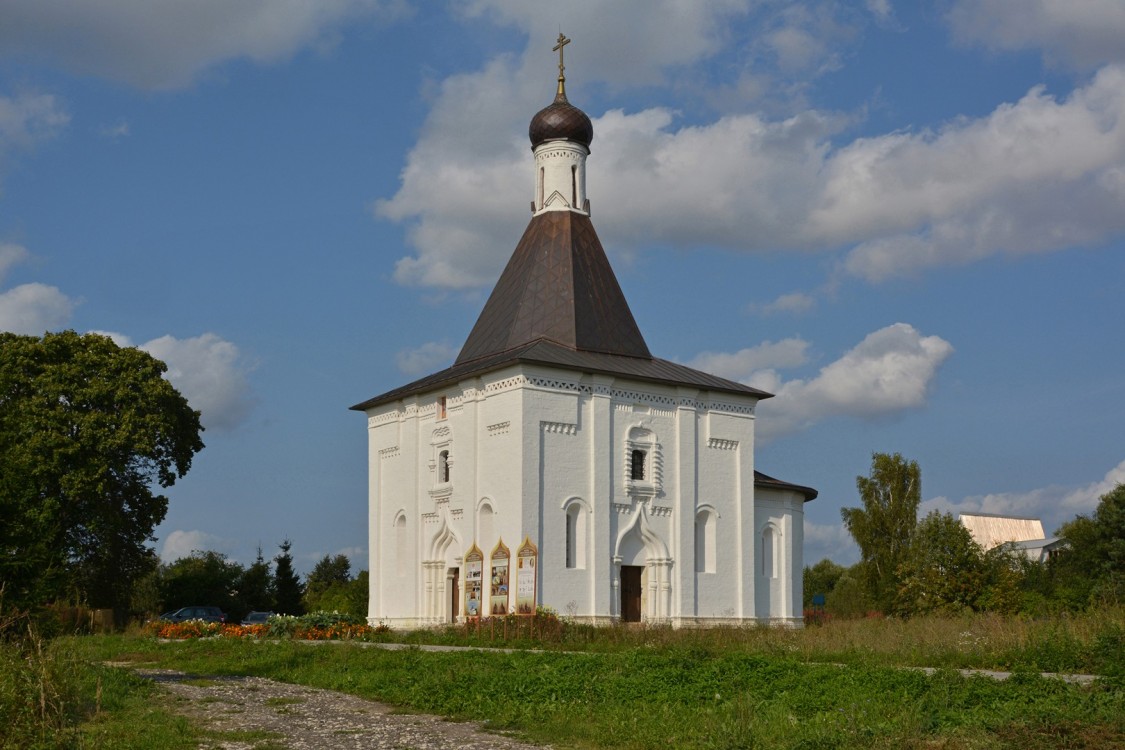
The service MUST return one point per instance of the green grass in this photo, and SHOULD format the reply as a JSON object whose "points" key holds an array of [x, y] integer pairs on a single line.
{"points": [[680, 694]]}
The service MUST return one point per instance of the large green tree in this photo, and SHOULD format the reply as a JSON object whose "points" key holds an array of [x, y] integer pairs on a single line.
{"points": [[87, 428], [327, 581], [944, 569], [256, 587], [883, 526], [287, 587], [1092, 568], [204, 578]]}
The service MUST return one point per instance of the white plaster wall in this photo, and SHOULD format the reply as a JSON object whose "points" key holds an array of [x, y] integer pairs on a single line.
{"points": [[780, 598], [554, 162], [528, 439]]}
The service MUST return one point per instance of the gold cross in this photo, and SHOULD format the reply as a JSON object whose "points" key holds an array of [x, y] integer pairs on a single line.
{"points": [[562, 42]]}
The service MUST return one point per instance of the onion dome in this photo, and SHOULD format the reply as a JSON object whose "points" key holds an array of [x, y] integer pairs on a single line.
{"points": [[560, 120]]}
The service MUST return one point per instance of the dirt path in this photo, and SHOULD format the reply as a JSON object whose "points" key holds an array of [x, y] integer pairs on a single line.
{"points": [[253, 713]]}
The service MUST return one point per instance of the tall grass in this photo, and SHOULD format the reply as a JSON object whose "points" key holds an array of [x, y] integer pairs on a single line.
{"points": [[678, 696], [38, 692], [53, 699], [1091, 642]]}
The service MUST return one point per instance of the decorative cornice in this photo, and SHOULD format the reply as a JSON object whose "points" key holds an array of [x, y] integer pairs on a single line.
{"points": [[560, 428], [391, 452], [442, 491], [721, 444], [500, 428]]}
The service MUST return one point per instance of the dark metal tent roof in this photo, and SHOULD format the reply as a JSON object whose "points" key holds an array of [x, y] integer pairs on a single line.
{"points": [[558, 303], [558, 286], [768, 482]]}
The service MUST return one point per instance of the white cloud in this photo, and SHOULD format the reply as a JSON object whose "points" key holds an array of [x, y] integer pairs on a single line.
{"points": [[745, 363], [11, 255], [793, 302], [119, 129], [28, 119], [180, 544], [1034, 176], [661, 34], [1038, 175], [211, 373], [881, 9], [167, 43], [1054, 505], [429, 357], [830, 541], [890, 371], [208, 370], [1082, 33], [34, 308], [30, 309]]}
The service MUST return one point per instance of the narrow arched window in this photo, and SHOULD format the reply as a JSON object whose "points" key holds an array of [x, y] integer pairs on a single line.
{"points": [[443, 466], [576, 535], [484, 525], [705, 559], [571, 532], [542, 197], [637, 465], [574, 186], [400, 544], [769, 553]]}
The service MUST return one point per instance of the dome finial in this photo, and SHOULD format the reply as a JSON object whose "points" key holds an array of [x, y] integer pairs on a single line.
{"points": [[560, 95]]}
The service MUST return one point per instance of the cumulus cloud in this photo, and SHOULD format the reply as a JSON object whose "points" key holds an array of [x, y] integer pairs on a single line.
{"points": [[1054, 505], [30, 309], [119, 129], [831, 541], [427, 358], [890, 371], [211, 373], [28, 119], [11, 255], [1081, 33], [793, 302], [1036, 175], [180, 544], [167, 43], [208, 370], [662, 33], [744, 364]]}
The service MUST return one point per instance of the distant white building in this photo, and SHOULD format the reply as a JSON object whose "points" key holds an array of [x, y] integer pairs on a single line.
{"points": [[557, 462], [1022, 534]]}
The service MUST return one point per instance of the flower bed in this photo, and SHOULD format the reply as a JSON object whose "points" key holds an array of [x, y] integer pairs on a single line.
{"points": [[318, 626]]}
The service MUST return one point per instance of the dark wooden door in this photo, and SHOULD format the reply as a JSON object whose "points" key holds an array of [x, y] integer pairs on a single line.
{"points": [[631, 592]]}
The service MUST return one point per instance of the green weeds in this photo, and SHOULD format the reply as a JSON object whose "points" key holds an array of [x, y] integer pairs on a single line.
{"points": [[680, 696]]}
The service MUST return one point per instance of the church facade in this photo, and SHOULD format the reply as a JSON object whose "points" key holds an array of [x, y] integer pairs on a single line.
{"points": [[558, 463]]}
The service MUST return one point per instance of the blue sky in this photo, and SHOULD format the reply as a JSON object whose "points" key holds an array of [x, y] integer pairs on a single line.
{"points": [[907, 220]]}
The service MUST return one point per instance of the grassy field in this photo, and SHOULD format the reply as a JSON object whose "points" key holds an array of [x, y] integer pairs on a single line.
{"points": [[837, 686]]}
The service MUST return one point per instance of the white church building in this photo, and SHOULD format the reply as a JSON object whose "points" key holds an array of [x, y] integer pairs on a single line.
{"points": [[558, 463]]}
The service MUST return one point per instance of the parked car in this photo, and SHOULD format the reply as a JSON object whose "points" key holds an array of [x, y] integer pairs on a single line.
{"points": [[207, 614], [257, 618]]}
